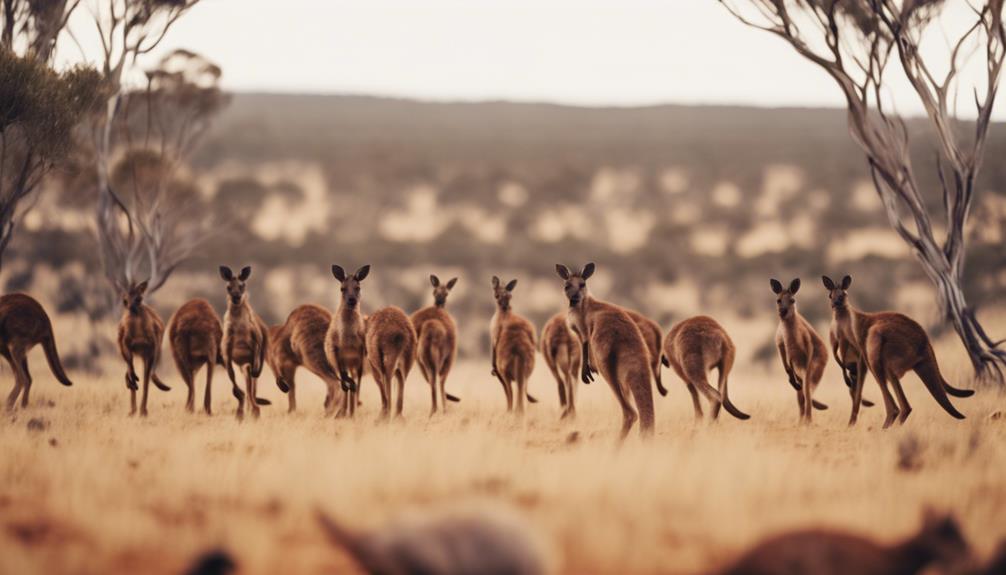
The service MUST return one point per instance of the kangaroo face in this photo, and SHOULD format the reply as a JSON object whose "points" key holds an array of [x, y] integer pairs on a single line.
{"points": [[133, 298], [503, 293], [575, 287], [236, 288], [837, 293], [440, 291], [350, 284], [786, 297]]}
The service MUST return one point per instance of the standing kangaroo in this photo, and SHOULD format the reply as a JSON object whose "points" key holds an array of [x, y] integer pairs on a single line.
{"points": [[140, 333], [824, 552], [511, 339], [300, 341], [438, 336], [802, 351], [345, 340], [195, 334], [391, 349], [612, 342], [694, 347], [245, 340], [561, 350], [889, 344], [23, 325]]}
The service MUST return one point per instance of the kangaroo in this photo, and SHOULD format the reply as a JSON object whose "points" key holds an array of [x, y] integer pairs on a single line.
{"points": [[802, 351], [824, 552], [561, 350], [23, 325], [245, 341], [458, 542], [300, 341], [889, 344], [438, 336], [195, 334], [511, 338], [346, 340], [391, 349], [140, 333], [692, 348], [653, 336], [612, 342]]}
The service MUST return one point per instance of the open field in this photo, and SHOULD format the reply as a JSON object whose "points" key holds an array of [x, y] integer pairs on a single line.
{"points": [[96, 491]]}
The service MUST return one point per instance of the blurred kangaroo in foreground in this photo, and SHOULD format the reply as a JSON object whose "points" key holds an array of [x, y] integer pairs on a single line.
{"points": [[511, 339], [141, 331], [245, 340], [824, 552], [457, 543], [195, 334], [801, 350], [438, 345], [300, 341], [694, 347], [23, 325], [889, 344], [612, 342], [391, 349], [561, 349], [345, 340]]}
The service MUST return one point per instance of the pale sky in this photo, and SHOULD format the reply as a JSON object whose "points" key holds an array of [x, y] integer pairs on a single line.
{"points": [[589, 52]]}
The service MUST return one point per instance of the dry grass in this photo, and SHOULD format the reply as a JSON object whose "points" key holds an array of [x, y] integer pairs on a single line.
{"points": [[96, 491]]}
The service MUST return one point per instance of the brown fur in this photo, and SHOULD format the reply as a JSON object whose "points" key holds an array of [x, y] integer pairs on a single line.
{"points": [[561, 349], [300, 341], [23, 325], [141, 331], [692, 348], [245, 341], [195, 335], [438, 336], [391, 349], [346, 338], [612, 342], [824, 552], [801, 350], [512, 342], [889, 344], [653, 336]]}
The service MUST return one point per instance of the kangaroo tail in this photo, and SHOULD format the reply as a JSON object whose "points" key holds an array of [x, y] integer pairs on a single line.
{"points": [[656, 376], [818, 405], [642, 395], [262, 401], [158, 383], [697, 376], [727, 404], [665, 361], [52, 356], [929, 372], [453, 398], [519, 371], [956, 391]]}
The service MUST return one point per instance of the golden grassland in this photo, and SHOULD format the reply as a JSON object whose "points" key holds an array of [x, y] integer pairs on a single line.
{"points": [[96, 491]]}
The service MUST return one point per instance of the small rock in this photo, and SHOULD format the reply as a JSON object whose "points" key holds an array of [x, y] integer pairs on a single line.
{"points": [[37, 424], [572, 438], [53, 442]]}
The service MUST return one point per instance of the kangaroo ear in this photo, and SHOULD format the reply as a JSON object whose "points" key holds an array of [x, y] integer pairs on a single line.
{"points": [[142, 287], [496, 282], [434, 280], [562, 270], [451, 282], [588, 270], [511, 285], [846, 282], [245, 273], [226, 273], [794, 286], [776, 285], [827, 282], [338, 272], [362, 273]]}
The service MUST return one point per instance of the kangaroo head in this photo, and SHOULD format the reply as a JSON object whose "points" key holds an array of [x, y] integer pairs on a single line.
{"points": [[441, 290], [576, 282], [236, 288], [837, 293], [786, 297], [941, 539], [350, 284], [503, 293], [132, 298]]}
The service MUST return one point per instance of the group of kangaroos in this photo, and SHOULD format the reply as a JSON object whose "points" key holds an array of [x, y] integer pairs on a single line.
{"points": [[593, 336]]}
